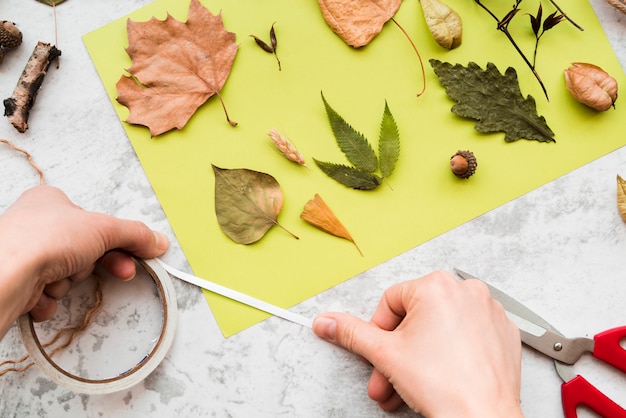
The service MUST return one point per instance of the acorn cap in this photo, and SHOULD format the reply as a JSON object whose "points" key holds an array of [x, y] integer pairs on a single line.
{"points": [[10, 35], [463, 164]]}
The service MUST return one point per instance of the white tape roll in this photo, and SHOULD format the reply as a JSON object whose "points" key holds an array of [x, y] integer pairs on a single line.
{"points": [[129, 378]]}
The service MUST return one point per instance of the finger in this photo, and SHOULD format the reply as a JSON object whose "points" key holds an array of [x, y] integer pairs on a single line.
{"points": [[58, 289], [379, 388], [119, 265], [404, 297], [390, 311], [81, 275], [132, 236], [392, 404], [44, 309], [351, 333]]}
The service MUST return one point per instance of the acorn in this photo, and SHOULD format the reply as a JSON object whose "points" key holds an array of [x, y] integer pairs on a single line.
{"points": [[10, 35], [463, 164]]}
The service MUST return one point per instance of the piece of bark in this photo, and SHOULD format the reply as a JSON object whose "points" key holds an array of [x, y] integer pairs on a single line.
{"points": [[17, 107]]}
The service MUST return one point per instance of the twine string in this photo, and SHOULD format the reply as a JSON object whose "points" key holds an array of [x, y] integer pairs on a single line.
{"points": [[70, 332]]}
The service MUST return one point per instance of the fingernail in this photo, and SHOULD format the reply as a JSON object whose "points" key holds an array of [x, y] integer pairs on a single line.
{"points": [[325, 327]]}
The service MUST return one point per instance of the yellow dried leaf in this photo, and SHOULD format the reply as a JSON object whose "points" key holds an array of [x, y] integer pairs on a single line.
{"points": [[621, 197], [317, 213], [443, 22]]}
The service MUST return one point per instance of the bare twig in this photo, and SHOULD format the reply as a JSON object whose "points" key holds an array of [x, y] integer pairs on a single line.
{"points": [[17, 107]]}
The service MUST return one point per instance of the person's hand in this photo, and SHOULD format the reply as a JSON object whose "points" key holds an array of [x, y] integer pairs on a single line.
{"points": [[47, 242], [442, 346]]}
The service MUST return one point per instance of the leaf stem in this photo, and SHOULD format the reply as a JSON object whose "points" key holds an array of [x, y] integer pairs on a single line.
{"points": [[503, 27], [418, 56], [286, 230], [566, 16], [232, 122]]}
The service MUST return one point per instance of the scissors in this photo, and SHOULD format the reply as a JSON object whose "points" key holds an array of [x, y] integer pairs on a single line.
{"points": [[543, 337]]}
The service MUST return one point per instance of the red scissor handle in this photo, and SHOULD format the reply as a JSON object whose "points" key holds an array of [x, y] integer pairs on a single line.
{"points": [[579, 391], [608, 349]]}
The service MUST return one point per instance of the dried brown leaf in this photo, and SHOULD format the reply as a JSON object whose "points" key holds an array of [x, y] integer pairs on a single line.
{"points": [[357, 22], [176, 68], [621, 197], [317, 213], [247, 203]]}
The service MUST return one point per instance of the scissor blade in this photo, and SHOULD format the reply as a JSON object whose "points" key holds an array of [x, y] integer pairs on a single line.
{"points": [[535, 331]]}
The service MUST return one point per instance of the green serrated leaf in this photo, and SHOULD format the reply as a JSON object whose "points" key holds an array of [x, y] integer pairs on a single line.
{"points": [[352, 143], [51, 2], [388, 143], [350, 176], [493, 99]]}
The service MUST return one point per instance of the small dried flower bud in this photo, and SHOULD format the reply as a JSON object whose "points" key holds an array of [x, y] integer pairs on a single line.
{"points": [[286, 148], [10, 35], [463, 164], [591, 85]]}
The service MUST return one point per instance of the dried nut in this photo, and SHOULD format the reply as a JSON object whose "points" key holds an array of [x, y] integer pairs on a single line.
{"points": [[591, 85], [463, 164], [10, 35]]}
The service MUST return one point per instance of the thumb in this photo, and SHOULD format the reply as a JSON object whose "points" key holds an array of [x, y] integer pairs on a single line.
{"points": [[349, 332]]}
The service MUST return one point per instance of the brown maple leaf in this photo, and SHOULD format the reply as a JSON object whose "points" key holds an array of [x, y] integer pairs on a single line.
{"points": [[176, 67], [357, 22]]}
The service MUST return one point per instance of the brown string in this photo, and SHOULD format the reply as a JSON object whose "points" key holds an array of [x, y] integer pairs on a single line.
{"points": [[618, 4], [28, 157], [73, 331]]}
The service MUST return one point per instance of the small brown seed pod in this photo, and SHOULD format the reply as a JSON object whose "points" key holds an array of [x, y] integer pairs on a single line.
{"points": [[10, 35], [591, 85], [463, 164]]}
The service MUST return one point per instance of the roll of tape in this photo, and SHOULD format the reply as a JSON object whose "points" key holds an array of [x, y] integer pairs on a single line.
{"points": [[129, 378]]}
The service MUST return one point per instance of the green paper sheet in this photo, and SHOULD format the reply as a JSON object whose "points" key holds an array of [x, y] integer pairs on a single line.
{"points": [[422, 199]]}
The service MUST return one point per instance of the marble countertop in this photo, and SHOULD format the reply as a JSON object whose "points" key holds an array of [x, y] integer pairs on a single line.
{"points": [[558, 248]]}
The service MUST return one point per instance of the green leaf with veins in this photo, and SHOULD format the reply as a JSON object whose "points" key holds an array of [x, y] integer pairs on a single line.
{"points": [[350, 176], [352, 143], [51, 2], [359, 152], [493, 100], [388, 143]]}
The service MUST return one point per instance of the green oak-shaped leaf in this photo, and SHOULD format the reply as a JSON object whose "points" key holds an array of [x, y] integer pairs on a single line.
{"points": [[493, 100]]}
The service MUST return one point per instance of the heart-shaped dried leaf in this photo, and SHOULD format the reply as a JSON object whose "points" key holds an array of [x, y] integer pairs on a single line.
{"points": [[317, 213], [176, 68], [247, 203], [357, 22], [621, 197]]}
